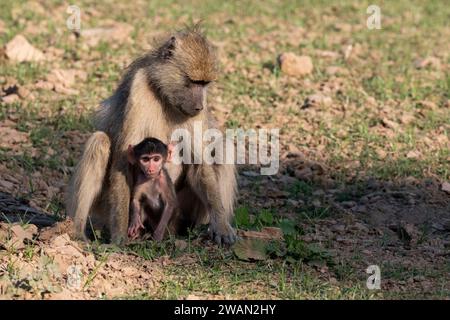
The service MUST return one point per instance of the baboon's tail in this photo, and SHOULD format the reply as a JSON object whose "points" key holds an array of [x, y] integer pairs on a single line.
{"points": [[87, 180]]}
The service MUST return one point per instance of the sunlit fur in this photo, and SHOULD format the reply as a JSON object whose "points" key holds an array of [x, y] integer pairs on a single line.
{"points": [[151, 101]]}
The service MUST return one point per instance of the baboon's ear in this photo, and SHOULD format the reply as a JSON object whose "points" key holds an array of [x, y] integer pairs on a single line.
{"points": [[167, 48], [130, 155]]}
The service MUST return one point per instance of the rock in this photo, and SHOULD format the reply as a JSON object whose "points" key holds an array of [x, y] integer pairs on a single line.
{"points": [[2, 30], [350, 51], [116, 32], [327, 54], [6, 185], [25, 93], [407, 118], [318, 193], [295, 203], [413, 154], [287, 180], [348, 204], [129, 271], [294, 65], [437, 226], [407, 232], [180, 245], [250, 249], [303, 174], [57, 229], [250, 174], [389, 124], [61, 80], [18, 234], [316, 203], [276, 193], [344, 27], [317, 168], [445, 187], [360, 227], [267, 233], [428, 61], [44, 85], [381, 153], [447, 104], [338, 228], [11, 98], [360, 209], [25, 232], [335, 70], [446, 225], [19, 49], [427, 104], [273, 232]]}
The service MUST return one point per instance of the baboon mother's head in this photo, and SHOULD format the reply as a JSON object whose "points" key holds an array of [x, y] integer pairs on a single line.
{"points": [[186, 65]]}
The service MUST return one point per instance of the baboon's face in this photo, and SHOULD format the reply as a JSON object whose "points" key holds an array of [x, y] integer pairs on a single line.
{"points": [[188, 65]]}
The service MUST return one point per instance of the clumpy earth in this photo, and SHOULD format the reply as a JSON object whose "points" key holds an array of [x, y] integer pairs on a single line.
{"points": [[364, 150]]}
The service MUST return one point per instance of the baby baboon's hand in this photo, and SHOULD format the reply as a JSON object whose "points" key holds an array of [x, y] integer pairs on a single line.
{"points": [[134, 230]]}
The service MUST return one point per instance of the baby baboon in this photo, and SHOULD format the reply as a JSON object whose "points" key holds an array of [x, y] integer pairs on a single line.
{"points": [[164, 90], [153, 199]]}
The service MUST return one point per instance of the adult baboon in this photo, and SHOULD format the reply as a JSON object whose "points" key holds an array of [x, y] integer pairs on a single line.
{"points": [[161, 91]]}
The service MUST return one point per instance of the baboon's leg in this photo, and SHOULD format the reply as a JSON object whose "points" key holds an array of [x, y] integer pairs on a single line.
{"points": [[87, 180], [215, 185], [119, 200], [192, 211]]}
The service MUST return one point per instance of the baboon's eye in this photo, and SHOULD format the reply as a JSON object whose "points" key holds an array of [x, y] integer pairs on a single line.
{"points": [[200, 82]]}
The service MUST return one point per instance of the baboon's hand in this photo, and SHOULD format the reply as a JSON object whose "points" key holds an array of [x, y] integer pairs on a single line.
{"points": [[222, 233], [134, 231], [158, 235]]}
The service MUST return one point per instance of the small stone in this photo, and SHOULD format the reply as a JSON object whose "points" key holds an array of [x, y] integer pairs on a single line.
{"points": [[335, 70], [447, 104], [6, 185], [348, 204], [446, 225], [428, 61], [338, 228], [445, 187], [413, 154], [250, 174], [19, 49], [303, 174], [317, 99], [294, 65], [180, 245], [11, 98], [360, 227], [318, 193], [316, 203]]}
